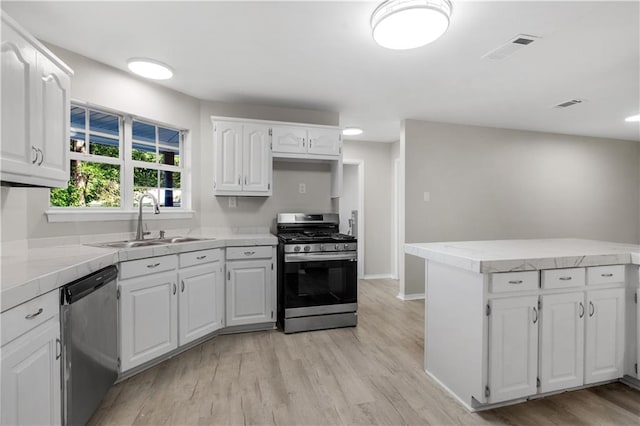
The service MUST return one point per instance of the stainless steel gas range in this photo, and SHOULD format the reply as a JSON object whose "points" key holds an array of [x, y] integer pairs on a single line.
{"points": [[317, 273]]}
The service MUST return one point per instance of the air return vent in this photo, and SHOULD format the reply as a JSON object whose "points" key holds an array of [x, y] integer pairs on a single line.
{"points": [[508, 49], [569, 103]]}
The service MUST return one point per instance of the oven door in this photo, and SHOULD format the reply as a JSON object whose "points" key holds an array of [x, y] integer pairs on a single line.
{"points": [[313, 280]]}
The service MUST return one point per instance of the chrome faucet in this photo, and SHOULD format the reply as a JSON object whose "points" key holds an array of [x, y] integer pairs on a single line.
{"points": [[156, 210]]}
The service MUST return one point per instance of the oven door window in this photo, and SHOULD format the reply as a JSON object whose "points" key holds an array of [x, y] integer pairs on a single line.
{"points": [[320, 283]]}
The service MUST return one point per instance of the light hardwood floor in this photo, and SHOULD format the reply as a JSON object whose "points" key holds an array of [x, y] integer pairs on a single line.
{"points": [[371, 374]]}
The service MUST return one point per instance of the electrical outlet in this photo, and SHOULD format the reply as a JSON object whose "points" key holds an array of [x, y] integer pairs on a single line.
{"points": [[302, 188], [233, 202]]}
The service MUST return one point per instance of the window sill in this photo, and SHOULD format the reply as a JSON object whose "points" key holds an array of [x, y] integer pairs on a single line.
{"points": [[93, 215]]}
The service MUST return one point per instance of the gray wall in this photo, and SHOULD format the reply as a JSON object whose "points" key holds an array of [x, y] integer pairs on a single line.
{"points": [[377, 198], [488, 183], [23, 209]]}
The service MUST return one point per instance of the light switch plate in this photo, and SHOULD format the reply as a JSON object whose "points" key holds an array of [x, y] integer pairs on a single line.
{"points": [[302, 188]]}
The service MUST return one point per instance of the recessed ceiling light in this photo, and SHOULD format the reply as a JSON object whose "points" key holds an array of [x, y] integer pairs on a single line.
{"points": [[149, 68], [407, 24], [352, 131], [633, 118]]}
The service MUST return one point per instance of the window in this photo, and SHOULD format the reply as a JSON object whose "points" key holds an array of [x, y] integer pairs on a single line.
{"points": [[116, 158]]}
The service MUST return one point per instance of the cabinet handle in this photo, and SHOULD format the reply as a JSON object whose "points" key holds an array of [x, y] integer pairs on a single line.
{"points": [[58, 345], [303, 142], [515, 282], [592, 309], [535, 311], [229, 275], [153, 265], [310, 141], [249, 253], [201, 257], [581, 310], [32, 316], [565, 278], [606, 275], [174, 288], [239, 180], [245, 180], [35, 151], [41, 157], [182, 290]]}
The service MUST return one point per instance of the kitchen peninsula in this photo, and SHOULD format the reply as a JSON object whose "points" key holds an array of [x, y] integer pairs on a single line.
{"points": [[512, 320]]}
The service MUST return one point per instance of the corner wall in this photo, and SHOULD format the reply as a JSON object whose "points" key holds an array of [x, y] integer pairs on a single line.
{"points": [[488, 184]]}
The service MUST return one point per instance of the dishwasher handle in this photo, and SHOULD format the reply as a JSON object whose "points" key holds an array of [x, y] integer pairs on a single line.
{"points": [[78, 289]]}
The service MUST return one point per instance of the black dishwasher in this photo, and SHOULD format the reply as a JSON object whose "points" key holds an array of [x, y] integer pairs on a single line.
{"points": [[89, 313]]}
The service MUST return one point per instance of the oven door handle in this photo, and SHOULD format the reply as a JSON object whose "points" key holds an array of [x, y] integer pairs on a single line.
{"points": [[315, 257]]}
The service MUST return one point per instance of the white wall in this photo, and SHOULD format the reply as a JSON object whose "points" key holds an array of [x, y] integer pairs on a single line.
{"points": [[488, 183], [23, 208], [350, 196], [377, 199]]}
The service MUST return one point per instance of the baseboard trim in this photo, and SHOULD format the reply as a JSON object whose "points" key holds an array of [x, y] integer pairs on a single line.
{"points": [[415, 296], [377, 277]]}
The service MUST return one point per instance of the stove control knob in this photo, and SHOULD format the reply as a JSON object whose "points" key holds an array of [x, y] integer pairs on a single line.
{"points": [[337, 246], [321, 247], [346, 246], [307, 248], [296, 249]]}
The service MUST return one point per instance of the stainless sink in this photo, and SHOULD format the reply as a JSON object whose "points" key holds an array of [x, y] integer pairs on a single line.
{"points": [[156, 242]]}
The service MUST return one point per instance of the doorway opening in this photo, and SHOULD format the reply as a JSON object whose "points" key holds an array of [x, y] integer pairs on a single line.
{"points": [[352, 206]]}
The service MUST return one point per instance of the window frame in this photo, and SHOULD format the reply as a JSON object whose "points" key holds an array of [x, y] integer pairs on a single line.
{"points": [[127, 210]]}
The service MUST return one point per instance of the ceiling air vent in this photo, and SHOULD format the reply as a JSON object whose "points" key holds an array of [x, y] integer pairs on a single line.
{"points": [[569, 103], [508, 49]]}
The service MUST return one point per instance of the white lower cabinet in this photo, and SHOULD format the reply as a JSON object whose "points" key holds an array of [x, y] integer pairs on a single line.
{"points": [[513, 348], [604, 354], [562, 341], [250, 292], [148, 318], [31, 377], [201, 301]]}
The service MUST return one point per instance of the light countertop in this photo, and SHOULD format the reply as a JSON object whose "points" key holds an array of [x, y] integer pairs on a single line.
{"points": [[30, 272], [526, 255]]}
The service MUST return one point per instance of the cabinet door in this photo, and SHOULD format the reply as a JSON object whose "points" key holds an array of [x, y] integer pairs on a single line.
{"points": [[18, 71], [52, 126], [513, 348], [256, 158], [562, 342], [148, 318], [31, 377], [604, 349], [249, 289], [201, 301], [324, 141], [289, 139], [228, 152]]}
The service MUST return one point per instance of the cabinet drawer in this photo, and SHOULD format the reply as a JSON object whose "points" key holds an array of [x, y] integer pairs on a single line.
{"points": [[605, 274], [151, 265], [562, 278], [17, 321], [252, 252], [200, 257], [514, 281]]}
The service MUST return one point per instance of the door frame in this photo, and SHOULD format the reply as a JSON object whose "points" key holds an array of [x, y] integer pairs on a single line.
{"points": [[361, 212], [395, 221]]}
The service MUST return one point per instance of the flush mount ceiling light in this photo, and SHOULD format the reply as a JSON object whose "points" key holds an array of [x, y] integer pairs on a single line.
{"points": [[633, 118], [407, 24], [352, 131], [149, 68]]}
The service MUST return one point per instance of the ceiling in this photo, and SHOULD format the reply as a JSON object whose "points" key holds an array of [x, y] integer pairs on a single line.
{"points": [[320, 55]]}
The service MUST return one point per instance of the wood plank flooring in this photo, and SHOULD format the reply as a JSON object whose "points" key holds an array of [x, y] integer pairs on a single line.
{"points": [[368, 375]]}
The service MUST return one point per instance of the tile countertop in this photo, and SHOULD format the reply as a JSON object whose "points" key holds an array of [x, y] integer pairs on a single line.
{"points": [[525, 255], [30, 272]]}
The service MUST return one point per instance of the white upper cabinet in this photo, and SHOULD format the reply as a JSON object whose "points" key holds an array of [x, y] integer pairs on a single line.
{"points": [[307, 142], [243, 158], [35, 111], [289, 139]]}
